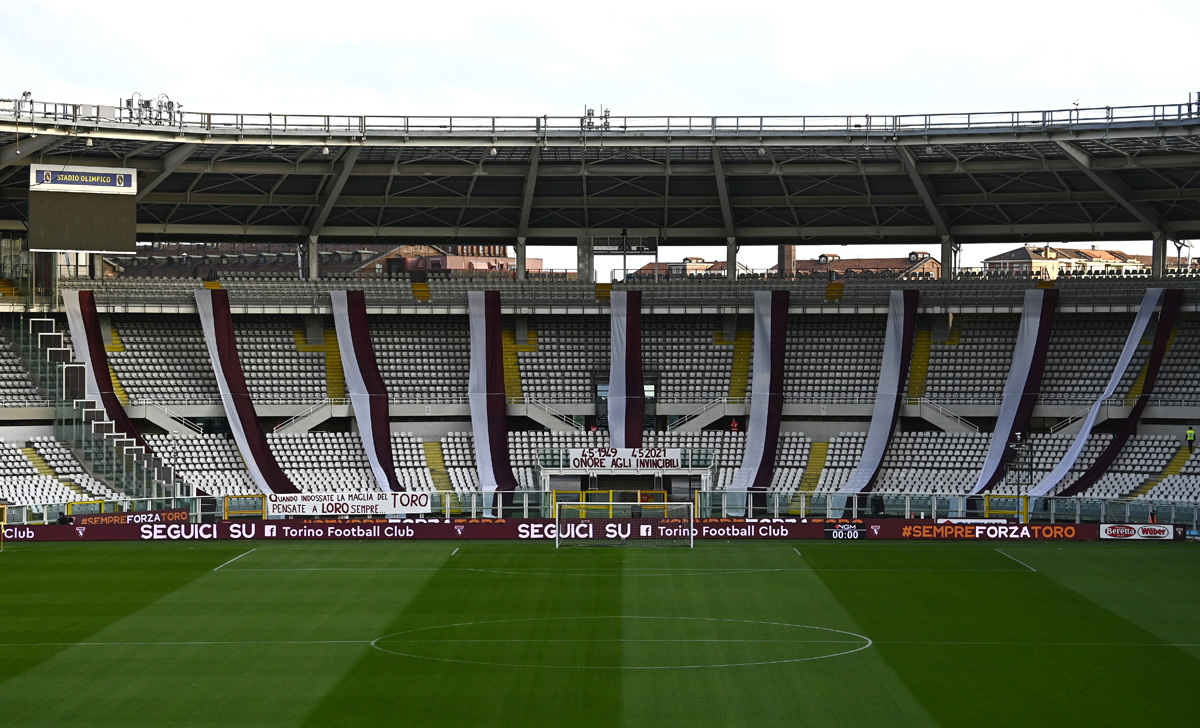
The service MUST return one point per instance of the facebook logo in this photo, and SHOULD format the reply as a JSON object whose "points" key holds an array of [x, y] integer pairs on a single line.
{"points": [[646, 530]]}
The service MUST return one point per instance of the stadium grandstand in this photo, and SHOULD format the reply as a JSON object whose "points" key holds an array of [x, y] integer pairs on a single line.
{"points": [[220, 348]]}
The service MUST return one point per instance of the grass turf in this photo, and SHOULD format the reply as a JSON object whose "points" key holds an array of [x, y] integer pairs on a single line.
{"points": [[519, 634]]}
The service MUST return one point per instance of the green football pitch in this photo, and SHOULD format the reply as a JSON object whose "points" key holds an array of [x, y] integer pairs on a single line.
{"points": [[520, 634]]}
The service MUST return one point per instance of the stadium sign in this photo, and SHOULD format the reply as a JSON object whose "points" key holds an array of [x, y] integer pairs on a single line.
{"points": [[371, 503], [1129, 532], [96, 180], [637, 458]]}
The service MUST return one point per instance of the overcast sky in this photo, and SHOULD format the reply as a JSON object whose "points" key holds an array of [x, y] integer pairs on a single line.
{"points": [[636, 57]]}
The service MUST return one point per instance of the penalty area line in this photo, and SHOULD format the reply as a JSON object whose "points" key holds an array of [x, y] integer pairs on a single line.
{"points": [[235, 558], [1014, 558], [455, 551]]}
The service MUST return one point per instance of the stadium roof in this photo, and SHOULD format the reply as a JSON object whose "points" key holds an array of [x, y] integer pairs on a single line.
{"points": [[1064, 175]]}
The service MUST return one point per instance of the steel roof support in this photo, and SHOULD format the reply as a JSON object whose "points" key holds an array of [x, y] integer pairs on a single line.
{"points": [[14, 152], [1110, 183], [929, 198], [170, 163], [325, 203]]}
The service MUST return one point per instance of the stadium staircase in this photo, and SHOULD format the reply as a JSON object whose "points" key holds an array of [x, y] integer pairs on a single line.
{"points": [[44, 468], [8, 289], [834, 291], [812, 474], [213, 285], [1173, 467], [603, 291], [436, 462], [1139, 384], [335, 377], [420, 292], [918, 370], [743, 346], [512, 367], [114, 346]]}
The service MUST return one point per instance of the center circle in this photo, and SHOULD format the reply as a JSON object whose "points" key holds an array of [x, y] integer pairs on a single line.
{"points": [[621, 643]]}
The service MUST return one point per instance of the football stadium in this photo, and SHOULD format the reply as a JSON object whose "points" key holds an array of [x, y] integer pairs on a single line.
{"points": [[298, 429]]}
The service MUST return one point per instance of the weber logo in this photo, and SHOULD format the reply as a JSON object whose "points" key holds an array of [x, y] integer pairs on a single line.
{"points": [[1128, 532]]}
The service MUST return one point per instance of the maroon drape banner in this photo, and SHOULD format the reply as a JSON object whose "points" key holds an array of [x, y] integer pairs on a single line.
{"points": [[215, 316], [1172, 300], [486, 393], [368, 393]]}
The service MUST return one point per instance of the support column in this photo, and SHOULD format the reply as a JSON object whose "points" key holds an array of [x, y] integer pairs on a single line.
{"points": [[585, 260], [949, 258], [96, 266], [731, 251], [1159, 262], [312, 259], [519, 248]]}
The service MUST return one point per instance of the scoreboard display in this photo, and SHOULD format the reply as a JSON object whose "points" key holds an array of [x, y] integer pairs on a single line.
{"points": [[89, 209]]}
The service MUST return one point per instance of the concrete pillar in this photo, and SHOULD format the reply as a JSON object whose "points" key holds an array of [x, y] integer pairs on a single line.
{"points": [[731, 251], [585, 260], [949, 258], [312, 259], [522, 329], [96, 266], [1159, 263], [519, 248], [314, 329]]}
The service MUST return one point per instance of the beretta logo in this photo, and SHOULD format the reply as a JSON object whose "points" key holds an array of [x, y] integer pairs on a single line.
{"points": [[1153, 532], [1120, 531]]}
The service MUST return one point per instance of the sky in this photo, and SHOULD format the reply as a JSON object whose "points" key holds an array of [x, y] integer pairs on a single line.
{"points": [[635, 57]]}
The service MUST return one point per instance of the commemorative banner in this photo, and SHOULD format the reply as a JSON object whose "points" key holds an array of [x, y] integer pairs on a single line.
{"points": [[95, 180], [369, 503], [637, 458], [1140, 532]]}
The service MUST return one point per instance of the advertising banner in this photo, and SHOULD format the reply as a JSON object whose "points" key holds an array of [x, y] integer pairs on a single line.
{"points": [[625, 458], [371, 503], [173, 515], [96, 180], [534, 529], [1142, 532]]}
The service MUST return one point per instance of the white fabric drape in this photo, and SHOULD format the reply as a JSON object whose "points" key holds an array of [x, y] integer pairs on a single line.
{"points": [[1145, 312]]}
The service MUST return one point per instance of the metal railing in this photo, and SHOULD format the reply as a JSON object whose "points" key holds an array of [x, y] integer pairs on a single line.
{"points": [[279, 127], [935, 506]]}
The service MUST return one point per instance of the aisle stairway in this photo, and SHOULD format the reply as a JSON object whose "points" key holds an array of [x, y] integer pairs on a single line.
{"points": [[114, 346], [512, 368], [335, 377], [420, 292], [918, 371], [1139, 384], [8, 289], [44, 468], [812, 474], [834, 291], [743, 346], [436, 463], [1174, 467], [603, 291]]}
